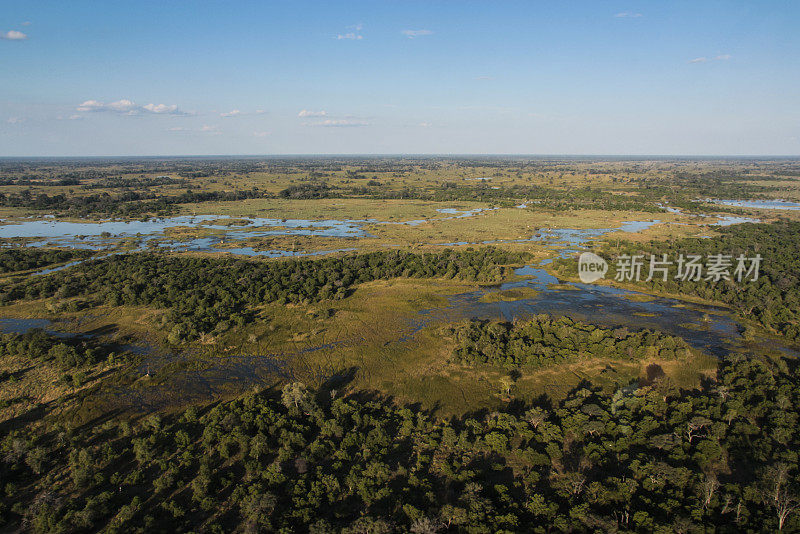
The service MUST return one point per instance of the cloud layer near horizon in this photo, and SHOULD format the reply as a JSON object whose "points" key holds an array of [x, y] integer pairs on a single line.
{"points": [[128, 107]]}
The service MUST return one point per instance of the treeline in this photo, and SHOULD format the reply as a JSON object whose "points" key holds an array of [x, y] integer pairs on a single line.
{"points": [[60, 182], [126, 182], [205, 295], [130, 203], [547, 197], [66, 352], [126, 204], [721, 459], [648, 196], [546, 340], [306, 191], [772, 301], [24, 259], [540, 197]]}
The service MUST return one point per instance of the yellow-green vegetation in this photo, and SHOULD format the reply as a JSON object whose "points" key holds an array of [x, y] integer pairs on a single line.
{"points": [[510, 295], [638, 297], [372, 330]]}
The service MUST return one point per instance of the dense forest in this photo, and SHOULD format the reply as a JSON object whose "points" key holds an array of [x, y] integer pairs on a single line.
{"points": [[545, 340], [642, 459], [543, 197], [208, 295], [24, 259], [773, 300], [66, 352]]}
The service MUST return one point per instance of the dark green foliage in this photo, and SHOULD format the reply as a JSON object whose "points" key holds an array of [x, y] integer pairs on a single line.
{"points": [[139, 182], [539, 196], [24, 259], [314, 190], [773, 300], [646, 460], [211, 295], [545, 340], [126, 204], [66, 352]]}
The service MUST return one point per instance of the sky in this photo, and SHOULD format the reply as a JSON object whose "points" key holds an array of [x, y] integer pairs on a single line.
{"points": [[184, 77]]}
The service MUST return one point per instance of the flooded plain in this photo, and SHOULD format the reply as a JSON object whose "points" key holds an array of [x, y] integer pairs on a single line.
{"points": [[706, 328]]}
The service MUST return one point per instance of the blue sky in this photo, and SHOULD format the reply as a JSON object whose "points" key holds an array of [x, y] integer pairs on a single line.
{"points": [[434, 76]]}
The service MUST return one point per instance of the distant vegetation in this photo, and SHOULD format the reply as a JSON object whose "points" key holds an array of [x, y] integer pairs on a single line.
{"points": [[308, 191], [545, 340], [126, 204], [135, 188], [136, 182], [24, 259]]}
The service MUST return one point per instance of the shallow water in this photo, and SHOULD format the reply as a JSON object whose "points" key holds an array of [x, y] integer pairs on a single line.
{"points": [[758, 204], [602, 305], [10, 325], [106, 234], [112, 235], [728, 220], [152, 233]]}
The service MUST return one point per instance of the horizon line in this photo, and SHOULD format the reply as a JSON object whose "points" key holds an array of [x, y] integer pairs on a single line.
{"points": [[407, 155]]}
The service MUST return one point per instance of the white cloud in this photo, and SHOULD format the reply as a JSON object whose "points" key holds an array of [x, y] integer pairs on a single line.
{"points": [[260, 111], [411, 34], [15, 120], [338, 123], [120, 106], [703, 59], [309, 113], [26, 23], [128, 107], [354, 33], [425, 124], [162, 109], [232, 113], [261, 134], [205, 129], [628, 15], [13, 35]]}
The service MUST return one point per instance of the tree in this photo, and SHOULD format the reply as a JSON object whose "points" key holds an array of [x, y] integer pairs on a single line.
{"points": [[296, 395], [779, 495]]}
